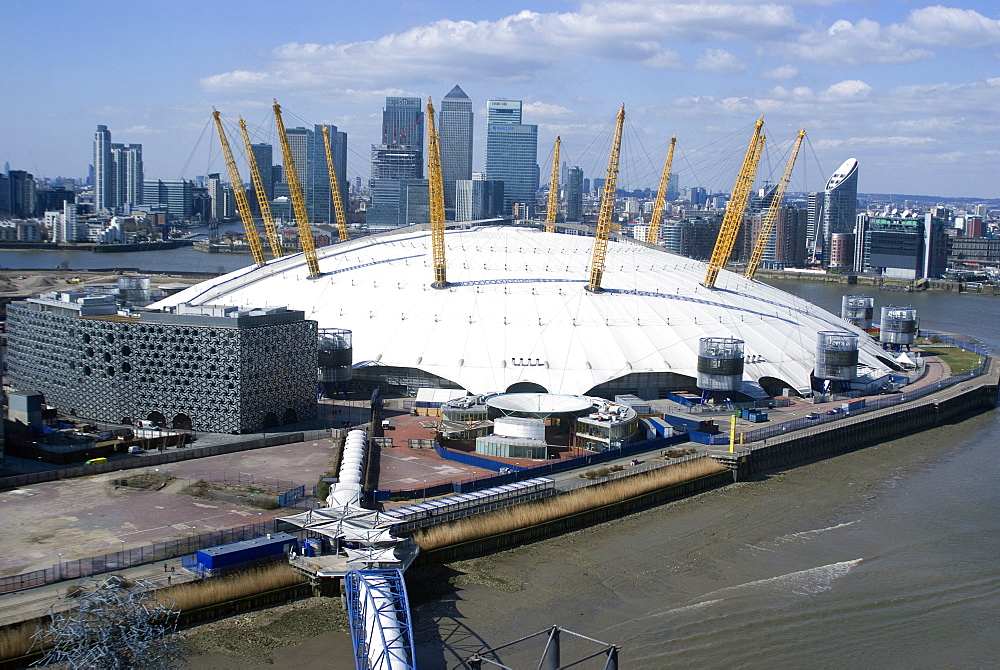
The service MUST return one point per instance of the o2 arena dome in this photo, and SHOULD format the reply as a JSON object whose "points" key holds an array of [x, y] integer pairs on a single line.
{"points": [[517, 317]]}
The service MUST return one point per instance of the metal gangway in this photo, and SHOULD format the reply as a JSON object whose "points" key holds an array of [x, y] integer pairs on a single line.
{"points": [[379, 614]]}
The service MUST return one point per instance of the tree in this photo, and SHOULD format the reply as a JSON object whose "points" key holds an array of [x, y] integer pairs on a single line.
{"points": [[112, 625]]}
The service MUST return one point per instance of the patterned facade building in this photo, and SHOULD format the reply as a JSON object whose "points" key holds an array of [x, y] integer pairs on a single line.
{"points": [[209, 368]]}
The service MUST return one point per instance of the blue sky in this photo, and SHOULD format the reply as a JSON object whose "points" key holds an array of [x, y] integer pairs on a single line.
{"points": [[910, 89]]}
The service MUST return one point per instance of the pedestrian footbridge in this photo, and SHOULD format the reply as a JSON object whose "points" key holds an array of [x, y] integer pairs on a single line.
{"points": [[379, 614]]}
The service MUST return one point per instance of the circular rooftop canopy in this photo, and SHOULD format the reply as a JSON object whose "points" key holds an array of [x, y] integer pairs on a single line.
{"points": [[517, 314], [539, 404]]}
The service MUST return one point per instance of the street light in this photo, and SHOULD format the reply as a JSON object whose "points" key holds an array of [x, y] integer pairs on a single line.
{"points": [[123, 554]]}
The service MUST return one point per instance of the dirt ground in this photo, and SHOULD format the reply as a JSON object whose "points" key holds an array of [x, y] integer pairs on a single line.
{"points": [[78, 518], [24, 283]]}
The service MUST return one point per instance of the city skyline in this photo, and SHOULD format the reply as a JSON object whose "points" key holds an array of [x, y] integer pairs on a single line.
{"points": [[906, 89]]}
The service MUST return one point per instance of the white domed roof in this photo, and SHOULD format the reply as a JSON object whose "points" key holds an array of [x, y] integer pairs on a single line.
{"points": [[517, 310]]}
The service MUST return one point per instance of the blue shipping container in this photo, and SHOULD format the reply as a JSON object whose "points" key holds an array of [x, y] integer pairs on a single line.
{"points": [[227, 555]]}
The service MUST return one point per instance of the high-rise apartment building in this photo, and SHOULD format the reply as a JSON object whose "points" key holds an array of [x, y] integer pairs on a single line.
{"points": [[511, 153], [455, 129], [118, 173], [103, 170], [840, 204]]}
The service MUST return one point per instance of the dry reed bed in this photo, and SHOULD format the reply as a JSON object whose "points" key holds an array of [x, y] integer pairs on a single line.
{"points": [[566, 504], [15, 640], [194, 595]]}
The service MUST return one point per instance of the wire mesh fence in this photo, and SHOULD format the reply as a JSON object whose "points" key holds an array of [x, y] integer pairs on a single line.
{"points": [[127, 558]]}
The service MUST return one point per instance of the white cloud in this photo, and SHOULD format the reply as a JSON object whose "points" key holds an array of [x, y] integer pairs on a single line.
{"points": [[781, 73], [851, 89], [866, 41], [514, 48], [875, 142], [720, 61], [545, 109]]}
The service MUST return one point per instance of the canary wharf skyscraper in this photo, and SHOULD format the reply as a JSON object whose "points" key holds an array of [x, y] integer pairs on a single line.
{"points": [[456, 122], [511, 152]]}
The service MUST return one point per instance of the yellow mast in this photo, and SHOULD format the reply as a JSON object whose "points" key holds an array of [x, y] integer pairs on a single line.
{"points": [[661, 196], [553, 210], [607, 209], [733, 218], [241, 197], [338, 202], [436, 186], [767, 225], [298, 204], [258, 185]]}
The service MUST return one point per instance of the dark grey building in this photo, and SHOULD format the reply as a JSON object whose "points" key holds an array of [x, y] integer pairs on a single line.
{"points": [[211, 368], [456, 132]]}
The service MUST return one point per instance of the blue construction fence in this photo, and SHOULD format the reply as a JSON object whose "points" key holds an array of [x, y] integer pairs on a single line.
{"points": [[521, 473]]}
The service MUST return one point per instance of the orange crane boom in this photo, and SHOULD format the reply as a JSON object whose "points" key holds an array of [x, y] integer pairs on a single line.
{"points": [[733, 218], [553, 210], [298, 203], [258, 185], [661, 196], [767, 225], [607, 209], [241, 197], [338, 202], [436, 186]]}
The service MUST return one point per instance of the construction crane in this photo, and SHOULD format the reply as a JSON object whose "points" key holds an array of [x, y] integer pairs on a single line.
{"points": [[661, 195], [241, 197], [436, 186], [607, 209], [553, 210], [265, 205], [298, 203], [733, 218], [338, 202], [767, 225]]}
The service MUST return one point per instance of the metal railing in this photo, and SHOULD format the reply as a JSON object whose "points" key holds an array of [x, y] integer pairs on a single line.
{"points": [[127, 558]]}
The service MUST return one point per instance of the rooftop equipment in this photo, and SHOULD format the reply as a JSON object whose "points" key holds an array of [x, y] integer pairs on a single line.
{"points": [[553, 210], [661, 195], [733, 218], [836, 355], [236, 183], [720, 364], [898, 325], [607, 209], [858, 310], [436, 186], [298, 202], [767, 226]]}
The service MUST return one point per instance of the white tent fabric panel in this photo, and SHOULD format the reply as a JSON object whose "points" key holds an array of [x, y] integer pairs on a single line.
{"points": [[518, 295]]}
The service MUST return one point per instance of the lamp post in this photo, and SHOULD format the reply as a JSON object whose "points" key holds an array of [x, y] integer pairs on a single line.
{"points": [[122, 561], [60, 574]]}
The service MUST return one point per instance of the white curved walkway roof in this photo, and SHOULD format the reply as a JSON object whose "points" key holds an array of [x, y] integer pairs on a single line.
{"points": [[517, 310]]}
